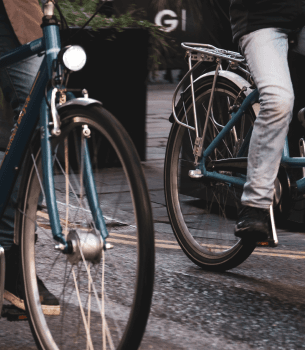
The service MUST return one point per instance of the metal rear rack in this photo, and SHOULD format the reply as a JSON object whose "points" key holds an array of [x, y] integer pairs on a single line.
{"points": [[206, 52], [201, 53]]}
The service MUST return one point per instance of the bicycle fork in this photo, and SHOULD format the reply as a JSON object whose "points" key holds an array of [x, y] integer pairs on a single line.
{"points": [[49, 187]]}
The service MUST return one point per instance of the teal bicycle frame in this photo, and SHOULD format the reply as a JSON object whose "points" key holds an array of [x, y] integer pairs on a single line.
{"points": [[286, 161], [35, 109]]}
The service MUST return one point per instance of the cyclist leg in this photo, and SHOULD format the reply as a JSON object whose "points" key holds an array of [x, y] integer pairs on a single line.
{"points": [[16, 82], [266, 54]]}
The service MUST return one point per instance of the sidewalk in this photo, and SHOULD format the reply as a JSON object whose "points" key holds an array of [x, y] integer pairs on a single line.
{"points": [[159, 108], [159, 99]]}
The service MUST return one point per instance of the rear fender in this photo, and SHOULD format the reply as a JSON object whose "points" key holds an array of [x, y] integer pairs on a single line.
{"points": [[236, 79]]}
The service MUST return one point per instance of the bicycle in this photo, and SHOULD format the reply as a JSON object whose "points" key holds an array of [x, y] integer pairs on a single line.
{"points": [[206, 160], [84, 220]]}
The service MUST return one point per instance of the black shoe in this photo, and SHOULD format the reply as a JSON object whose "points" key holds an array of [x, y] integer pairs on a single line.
{"points": [[13, 291], [253, 224]]}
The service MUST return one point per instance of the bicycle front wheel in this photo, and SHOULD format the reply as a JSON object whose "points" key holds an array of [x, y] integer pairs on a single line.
{"points": [[104, 301], [203, 212]]}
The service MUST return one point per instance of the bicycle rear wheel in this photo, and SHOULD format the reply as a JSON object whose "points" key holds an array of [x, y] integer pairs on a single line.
{"points": [[203, 212], [112, 311]]}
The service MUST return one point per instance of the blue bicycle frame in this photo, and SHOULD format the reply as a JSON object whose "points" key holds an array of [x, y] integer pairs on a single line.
{"points": [[287, 161], [49, 45]]}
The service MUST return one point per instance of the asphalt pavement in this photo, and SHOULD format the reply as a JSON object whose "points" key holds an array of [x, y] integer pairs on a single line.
{"points": [[257, 305]]}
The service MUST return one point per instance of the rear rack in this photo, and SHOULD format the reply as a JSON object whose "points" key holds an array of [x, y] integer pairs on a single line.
{"points": [[199, 53], [205, 52]]}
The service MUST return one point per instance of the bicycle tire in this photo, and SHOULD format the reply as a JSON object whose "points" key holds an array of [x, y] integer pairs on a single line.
{"points": [[128, 266], [203, 212]]}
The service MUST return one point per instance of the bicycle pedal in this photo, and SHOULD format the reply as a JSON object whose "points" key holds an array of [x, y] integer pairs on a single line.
{"points": [[262, 244], [269, 243], [12, 313], [195, 174]]}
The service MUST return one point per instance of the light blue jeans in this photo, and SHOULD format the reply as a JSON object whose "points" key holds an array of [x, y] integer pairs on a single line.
{"points": [[16, 82], [266, 54]]}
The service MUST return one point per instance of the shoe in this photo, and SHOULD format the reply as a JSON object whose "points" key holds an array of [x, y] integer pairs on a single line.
{"points": [[253, 224], [13, 291]]}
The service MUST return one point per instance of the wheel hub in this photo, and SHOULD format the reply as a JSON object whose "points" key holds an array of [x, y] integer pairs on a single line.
{"points": [[90, 244]]}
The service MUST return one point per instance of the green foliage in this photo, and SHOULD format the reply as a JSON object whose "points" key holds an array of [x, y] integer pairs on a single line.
{"points": [[77, 12]]}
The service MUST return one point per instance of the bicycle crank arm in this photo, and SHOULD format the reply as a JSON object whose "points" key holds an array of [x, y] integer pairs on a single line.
{"points": [[235, 165]]}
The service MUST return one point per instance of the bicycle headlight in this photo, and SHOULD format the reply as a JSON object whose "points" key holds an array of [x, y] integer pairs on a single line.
{"points": [[73, 57]]}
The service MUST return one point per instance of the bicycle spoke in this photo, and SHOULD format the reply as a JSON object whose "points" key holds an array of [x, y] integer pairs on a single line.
{"points": [[216, 129], [82, 312], [67, 185]]}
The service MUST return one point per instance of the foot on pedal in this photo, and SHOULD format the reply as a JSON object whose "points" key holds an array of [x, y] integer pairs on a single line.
{"points": [[257, 225], [253, 224], [13, 288], [13, 313]]}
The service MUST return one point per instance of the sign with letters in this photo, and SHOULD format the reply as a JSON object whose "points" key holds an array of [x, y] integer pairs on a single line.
{"points": [[205, 21]]}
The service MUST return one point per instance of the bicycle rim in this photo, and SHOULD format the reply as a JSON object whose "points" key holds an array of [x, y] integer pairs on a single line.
{"points": [[104, 301]]}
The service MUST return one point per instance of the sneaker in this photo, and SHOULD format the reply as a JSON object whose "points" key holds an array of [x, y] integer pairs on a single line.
{"points": [[13, 291], [253, 224]]}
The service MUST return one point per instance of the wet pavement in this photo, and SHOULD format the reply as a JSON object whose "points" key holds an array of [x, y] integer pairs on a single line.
{"points": [[257, 305]]}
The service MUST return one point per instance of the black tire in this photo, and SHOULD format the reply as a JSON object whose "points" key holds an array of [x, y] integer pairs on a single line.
{"points": [[203, 212], [128, 267]]}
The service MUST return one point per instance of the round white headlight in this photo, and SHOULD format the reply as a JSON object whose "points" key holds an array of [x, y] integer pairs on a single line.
{"points": [[74, 58]]}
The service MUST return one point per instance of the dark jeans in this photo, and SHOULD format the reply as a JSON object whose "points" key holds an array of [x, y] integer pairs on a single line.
{"points": [[16, 82]]}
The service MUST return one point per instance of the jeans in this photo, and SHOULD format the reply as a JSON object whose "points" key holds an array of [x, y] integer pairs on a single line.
{"points": [[16, 82], [266, 53]]}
